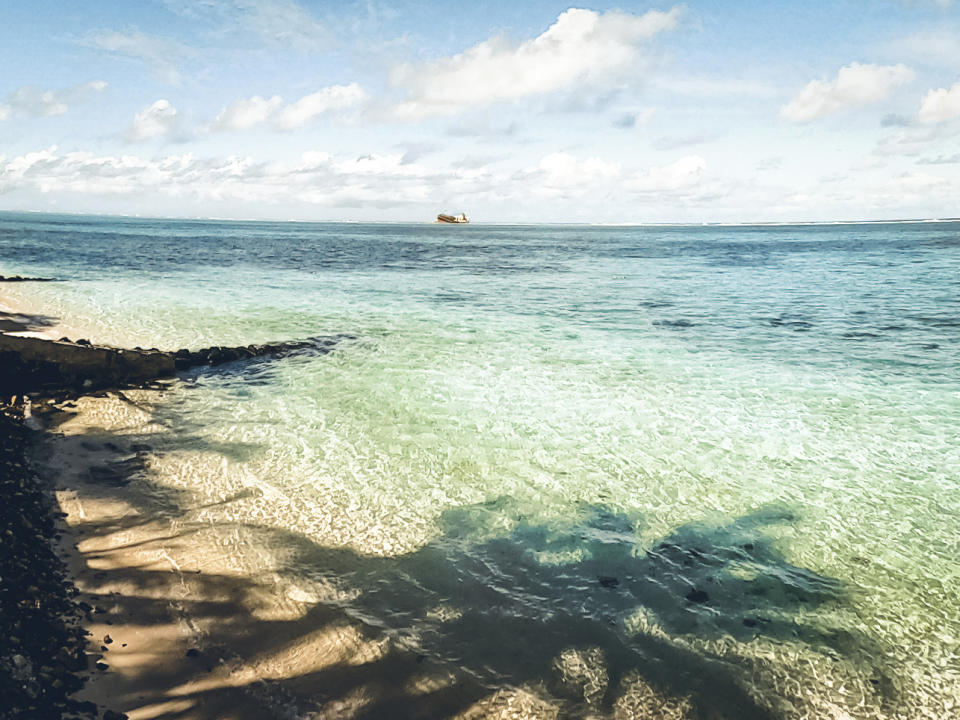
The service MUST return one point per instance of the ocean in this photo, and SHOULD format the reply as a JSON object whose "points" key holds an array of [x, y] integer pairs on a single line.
{"points": [[719, 464]]}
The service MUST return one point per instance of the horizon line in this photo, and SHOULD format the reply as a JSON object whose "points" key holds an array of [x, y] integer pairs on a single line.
{"points": [[584, 223]]}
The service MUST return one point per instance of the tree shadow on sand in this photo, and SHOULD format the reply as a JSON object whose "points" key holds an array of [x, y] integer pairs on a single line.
{"points": [[573, 611], [515, 603], [22, 322]]}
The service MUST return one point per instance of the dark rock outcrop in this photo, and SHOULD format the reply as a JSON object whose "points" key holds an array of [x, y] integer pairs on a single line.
{"points": [[33, 364], [42, 643], [219, 355]]}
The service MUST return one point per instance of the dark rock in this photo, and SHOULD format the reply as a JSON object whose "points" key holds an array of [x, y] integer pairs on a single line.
{"points": [[697, 596], [19, 278], [192, 653], [608, 581], [41, 642], [111, 715], [100, 665], [84, 706]]}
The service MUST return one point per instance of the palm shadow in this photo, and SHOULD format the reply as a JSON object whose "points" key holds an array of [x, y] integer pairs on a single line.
{"points": [[518, 601], [496, 600]]}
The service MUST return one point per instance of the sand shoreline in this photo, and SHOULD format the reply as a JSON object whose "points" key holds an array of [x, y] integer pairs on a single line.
{"points": [[176, 627]]}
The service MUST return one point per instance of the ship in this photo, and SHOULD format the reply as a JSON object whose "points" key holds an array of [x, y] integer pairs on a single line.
{"points": [[458, 219]]}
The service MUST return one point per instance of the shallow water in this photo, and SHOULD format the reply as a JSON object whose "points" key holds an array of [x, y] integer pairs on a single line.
{"points": [[720, 462]]}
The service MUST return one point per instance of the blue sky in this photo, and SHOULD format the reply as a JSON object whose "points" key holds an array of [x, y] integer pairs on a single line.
{"points": [[534, 111]]}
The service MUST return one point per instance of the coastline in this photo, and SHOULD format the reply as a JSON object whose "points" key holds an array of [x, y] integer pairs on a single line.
{"points": [[173, 626], [316, 531]]}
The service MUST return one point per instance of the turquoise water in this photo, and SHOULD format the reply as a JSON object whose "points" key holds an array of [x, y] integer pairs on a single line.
{"points": [[724, 460]]}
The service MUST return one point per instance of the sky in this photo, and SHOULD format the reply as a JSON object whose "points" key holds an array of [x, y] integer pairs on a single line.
{"points": [[509, 111]]}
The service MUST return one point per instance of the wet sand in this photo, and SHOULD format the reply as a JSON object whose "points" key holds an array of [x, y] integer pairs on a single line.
{"points": [[192, 634], [177, 627]]}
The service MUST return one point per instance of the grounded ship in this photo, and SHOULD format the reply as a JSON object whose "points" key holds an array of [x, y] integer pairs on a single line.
{"points": [[461, 218]]}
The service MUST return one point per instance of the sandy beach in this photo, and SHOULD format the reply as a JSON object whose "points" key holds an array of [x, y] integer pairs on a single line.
{"points": [[192, 635], [176, 627]]}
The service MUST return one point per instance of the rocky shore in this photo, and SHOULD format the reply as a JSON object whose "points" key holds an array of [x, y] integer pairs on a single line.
{"points": [[33, 364], [46, 654], [43, 646]]}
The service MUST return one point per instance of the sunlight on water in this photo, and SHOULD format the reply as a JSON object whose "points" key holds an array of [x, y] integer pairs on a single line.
{"points": [[695, 445]]}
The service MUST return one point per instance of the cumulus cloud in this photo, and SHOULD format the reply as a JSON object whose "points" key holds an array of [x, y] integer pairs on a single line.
{"points": [[581, 47], [310, 107], [163, 55], [29, 101], [562, 174], [941, 105], [248, 112], [158, 119], [317, 178], [856, 84], [323, 179], [679, 175]]}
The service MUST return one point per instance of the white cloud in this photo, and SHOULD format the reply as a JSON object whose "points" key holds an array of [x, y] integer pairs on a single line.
{"points": [[856, 84], [162, 54], [248, 112], [684, 173], [160, 118], [562, 174], [940, 105], [32, 102], [310, 107], [316, 179], [581, 47]]}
